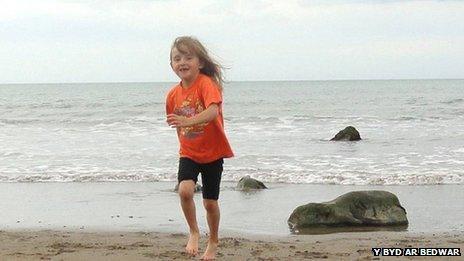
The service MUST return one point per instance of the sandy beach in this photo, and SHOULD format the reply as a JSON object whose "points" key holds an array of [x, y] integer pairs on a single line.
{"points": [[350, 112], [143, 221], [67, 245]]}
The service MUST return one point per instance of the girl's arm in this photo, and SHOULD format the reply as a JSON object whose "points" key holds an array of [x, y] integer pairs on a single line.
{"points": [[205, 116]]}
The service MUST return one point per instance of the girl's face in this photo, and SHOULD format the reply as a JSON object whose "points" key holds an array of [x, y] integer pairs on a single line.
{"points": [[186, 65]]}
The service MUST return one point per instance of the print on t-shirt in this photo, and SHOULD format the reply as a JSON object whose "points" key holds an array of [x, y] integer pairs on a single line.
{"points": [[188, 111]]}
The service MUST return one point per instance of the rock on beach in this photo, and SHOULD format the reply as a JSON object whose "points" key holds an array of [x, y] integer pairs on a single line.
{"points": [[349, 133], [357, 208], [248, 183]]}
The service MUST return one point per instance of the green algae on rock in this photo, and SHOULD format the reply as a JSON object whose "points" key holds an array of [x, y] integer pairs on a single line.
{"points": [[357, 208]]}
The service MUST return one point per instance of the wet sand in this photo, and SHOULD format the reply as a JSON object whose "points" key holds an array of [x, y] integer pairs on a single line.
{"points": [[154, 207], [143, 221], [76, 245]]}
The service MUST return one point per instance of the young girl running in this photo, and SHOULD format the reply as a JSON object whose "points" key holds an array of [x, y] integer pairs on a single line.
{"points": [[194, 108]]}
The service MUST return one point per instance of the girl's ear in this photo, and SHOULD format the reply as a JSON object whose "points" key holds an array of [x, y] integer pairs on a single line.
{"points": [[202, 65]]}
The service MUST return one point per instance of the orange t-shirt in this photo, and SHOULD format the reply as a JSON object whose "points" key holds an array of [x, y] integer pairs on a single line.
{"points": [[203, 143]]}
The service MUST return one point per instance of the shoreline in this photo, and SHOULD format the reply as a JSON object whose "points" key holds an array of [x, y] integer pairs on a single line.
{"points": [[154, 206], [143, 221], [114, 245]]}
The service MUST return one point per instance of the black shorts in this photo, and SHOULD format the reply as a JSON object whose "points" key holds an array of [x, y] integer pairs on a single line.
{"points": [[210, 175]]}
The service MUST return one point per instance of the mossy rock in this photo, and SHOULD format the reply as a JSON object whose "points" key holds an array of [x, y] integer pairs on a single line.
{"points": [[248, 183], [357, 208], [349, 133]]}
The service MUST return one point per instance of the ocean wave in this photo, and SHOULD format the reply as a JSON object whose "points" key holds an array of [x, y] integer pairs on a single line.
{"points": [[255, 119], [459, 112], [10, 154], [85, 119], [405, 118], [18, 121], [60, 104], [352, 178], [418, 119], [102, 177], [149, 104], [296, 175], [297, 118], [94, 105], [81, 105], [453, 101]]}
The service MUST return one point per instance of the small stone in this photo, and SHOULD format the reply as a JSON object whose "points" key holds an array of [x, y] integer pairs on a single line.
{"points": [[247, 183]]}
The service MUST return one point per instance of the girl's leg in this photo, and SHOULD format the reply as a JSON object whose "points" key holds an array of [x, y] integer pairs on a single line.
{"points": [[186, 192], [213, 217], [211, 177]]}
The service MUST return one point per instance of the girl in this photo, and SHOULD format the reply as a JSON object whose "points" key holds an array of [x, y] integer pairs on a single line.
{"points": [[194, 108]]}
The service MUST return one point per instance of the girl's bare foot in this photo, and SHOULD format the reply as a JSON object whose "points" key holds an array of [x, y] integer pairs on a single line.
{"points": [[210, 252], [192, 244]]}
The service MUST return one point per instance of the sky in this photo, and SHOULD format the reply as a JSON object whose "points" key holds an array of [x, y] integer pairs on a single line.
{"points": [[47, 41]]}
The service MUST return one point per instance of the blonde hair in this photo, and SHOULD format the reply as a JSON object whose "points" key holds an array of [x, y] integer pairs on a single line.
{"points": [[210, 67]]}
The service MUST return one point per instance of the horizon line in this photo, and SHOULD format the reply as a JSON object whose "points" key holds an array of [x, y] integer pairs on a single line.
{"points": [[226, 82]]}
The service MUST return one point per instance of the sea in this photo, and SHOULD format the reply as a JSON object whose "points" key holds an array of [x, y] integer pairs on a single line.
{"points": [[412, 132]]}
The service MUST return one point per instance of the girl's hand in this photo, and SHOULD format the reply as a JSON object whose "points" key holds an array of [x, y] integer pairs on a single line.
{"points": [[176, 121], [205, 116]]}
